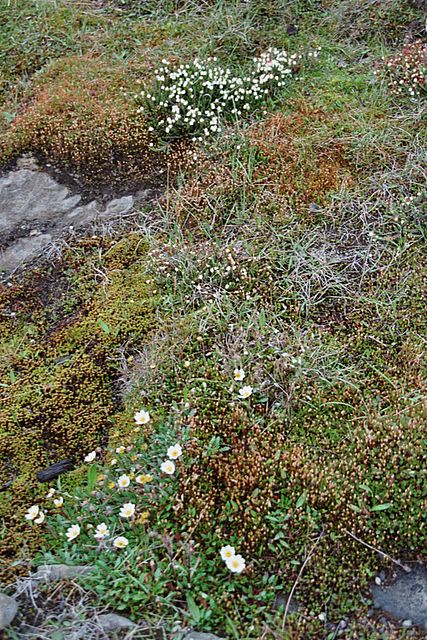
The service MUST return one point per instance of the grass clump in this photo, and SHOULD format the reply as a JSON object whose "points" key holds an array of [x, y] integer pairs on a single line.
{"points": [[34, 32], [363, 21]]}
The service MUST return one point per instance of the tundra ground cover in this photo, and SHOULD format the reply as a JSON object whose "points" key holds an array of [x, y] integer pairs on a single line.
{"points": [[266, 320]]}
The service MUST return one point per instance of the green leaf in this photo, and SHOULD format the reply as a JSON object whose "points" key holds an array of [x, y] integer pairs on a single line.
{"points": [[9, 117], [301, 500], [193, 608], [262, 319], [104, 326], [381, 507], [12, 376], [365, 488], [234, 505], [354, 508], [91, 477]]}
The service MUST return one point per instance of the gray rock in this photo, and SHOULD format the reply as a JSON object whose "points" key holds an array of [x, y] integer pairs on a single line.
{"points": [[119, 206], [8, 610], [114, 622], [405, 597], [31, 199], [83, 215], [196, 635], [27, 161], [23, 249], [53, 572], [32, 195], [281, 601]]}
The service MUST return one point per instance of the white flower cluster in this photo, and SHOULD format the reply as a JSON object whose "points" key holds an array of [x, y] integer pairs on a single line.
{"points": [[406, 72], [194, 99]]}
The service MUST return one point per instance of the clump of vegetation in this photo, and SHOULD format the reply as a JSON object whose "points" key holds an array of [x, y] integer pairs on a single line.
{"points": [[79, 118], [369, 20], [266, 322], [196, 99], [34, 33], [57, 378], [300, 172], [406, 72]]}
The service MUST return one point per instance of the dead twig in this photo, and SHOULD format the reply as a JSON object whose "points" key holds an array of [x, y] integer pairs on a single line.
{"points": [[304, 564], [381, 553]]}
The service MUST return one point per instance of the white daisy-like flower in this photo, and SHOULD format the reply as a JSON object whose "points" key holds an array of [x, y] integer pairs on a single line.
{"points": [[236, 564], [90, 456], [101, 531], [245, 392], [59, 501], [227, 552], [72, 532], [51, 493], [32, 512], [121, 449], [239, 375], [113, 462], [174, 452], [121, 542], [127, 510], [40, 518], [142, 417], [168, 467], [123, 481]]}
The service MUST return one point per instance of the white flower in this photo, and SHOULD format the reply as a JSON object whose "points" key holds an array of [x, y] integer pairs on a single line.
{"points": [[245, 392], [175, 451], [72, 532], [121, 542], [227, 552], [239, 374], [123, 481], [127, 510], [168, 467], [142, 417], [32, 512], [51, 493], [121, 449], [101, 531], [40, 518], [59, 501], [236, 564], [113, 462], [90, 456]]}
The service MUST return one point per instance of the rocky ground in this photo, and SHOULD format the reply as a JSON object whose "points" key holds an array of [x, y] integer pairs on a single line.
{"points": [[215, 325]]}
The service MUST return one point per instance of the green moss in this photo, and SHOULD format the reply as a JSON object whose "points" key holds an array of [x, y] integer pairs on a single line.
{"points": [[62, 400]]}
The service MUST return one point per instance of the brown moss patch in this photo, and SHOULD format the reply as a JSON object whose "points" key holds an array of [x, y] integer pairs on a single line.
{"points": [[297, 160], [80, 118]]}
